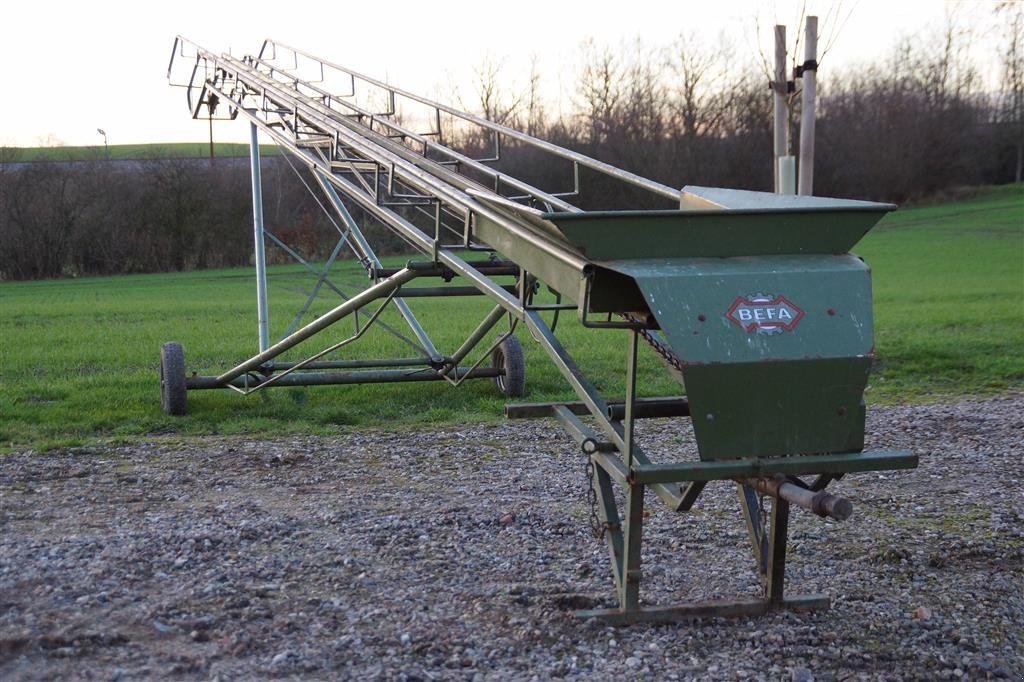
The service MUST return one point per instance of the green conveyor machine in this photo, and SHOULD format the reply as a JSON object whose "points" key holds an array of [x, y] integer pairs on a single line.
{"points": [[751, 300]]}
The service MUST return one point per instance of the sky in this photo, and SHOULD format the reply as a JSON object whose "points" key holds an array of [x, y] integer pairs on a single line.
{"points": [[73, 67]]}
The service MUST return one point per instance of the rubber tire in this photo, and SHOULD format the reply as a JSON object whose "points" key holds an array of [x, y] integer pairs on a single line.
{"points": [[509, 356], [172, 379]]}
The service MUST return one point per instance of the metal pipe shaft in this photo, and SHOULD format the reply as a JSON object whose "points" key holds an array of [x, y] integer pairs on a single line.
{"points": [[440, 292], [492, 268], [379, 290], [481, 330], [651, 408], [336, 378], [821, 503], [780, 111], [808, 98], [257, 226], [350, 364]]}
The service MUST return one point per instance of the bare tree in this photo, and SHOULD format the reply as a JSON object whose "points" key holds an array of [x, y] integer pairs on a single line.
{"points": [[645, 104], [700, 73], [44, 204], [1012, 81], [495, 103], [600, 89], [535, 111]]}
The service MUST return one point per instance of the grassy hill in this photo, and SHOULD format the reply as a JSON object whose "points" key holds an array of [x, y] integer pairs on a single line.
{"points": [[949, 297], [122, 152]]}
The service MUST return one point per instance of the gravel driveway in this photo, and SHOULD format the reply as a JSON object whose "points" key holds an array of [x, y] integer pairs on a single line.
{"points": [[461, 552]]}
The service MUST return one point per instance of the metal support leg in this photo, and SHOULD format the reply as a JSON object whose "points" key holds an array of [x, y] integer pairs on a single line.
{"points": [[630, 612], [691, 491], [629, 593], [777, 553], [608, 512], [629, 586], [628, 422], [751, 508], [257, 226]]}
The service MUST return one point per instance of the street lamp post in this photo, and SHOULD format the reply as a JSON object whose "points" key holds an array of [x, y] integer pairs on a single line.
{"points": [[106, 150]]}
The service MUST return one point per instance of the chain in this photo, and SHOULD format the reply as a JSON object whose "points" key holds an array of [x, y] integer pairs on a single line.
{"points": [[596, 527], [662, 349]]}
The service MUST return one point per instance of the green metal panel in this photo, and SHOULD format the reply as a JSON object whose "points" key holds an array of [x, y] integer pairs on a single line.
{"points": [[694, 197], [610, 292], [828, 299], [775, 349], [767, 409], [618, 235], [563, 248], [531, 257]]}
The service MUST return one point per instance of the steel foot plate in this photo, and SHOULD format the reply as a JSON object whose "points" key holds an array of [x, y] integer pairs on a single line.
{"points": [[708, 609]]}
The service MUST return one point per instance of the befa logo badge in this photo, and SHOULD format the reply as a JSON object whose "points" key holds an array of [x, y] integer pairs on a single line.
{"points": [[764, 313]]}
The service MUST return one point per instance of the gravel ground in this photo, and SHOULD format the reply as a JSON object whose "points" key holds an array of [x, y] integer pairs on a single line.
{"points": [[461, 552]]}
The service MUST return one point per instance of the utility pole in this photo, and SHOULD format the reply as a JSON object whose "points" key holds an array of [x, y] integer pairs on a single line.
{"points": [[781, 110], [262, 319], [808, 74]]}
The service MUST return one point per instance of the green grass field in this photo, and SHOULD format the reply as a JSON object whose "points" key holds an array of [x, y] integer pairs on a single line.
{"points": [[119, 152], [78, 357]]}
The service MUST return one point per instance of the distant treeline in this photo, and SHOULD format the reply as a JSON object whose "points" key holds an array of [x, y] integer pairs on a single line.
{"points": [[917, 123]]}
